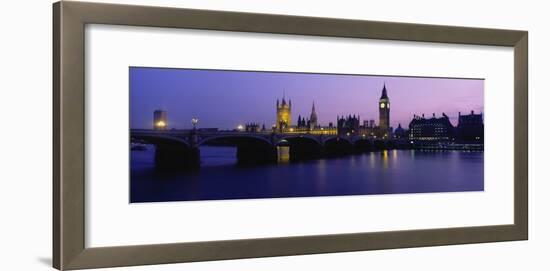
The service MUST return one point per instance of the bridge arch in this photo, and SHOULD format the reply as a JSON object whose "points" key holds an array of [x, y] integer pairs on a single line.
{"points": [[303, 147], [234, 139], [156, 139], [172, 153], [251, 149], [304, 138], [336, 137]]}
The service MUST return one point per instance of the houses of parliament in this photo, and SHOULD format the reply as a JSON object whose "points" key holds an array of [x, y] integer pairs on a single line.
{"points": [[344, 126]]}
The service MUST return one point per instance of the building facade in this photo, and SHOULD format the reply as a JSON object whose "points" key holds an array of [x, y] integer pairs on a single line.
{"points": [[284, 117], [345, 125], [470, 128], [431, 129], [348, 126], [384, 113], [313, 122], [253, 127]]}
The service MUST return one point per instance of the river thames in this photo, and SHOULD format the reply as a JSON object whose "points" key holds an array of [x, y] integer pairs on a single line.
{"points": [[383, 172]]}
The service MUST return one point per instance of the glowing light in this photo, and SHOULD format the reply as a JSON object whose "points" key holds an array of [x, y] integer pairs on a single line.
{"points": [[382, 105], [385, 159], [240, 127], [161, 123], [292, 129], [283, 154]]}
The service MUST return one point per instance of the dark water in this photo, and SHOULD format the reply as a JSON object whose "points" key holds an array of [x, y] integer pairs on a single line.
{"points": [[386, 172]]}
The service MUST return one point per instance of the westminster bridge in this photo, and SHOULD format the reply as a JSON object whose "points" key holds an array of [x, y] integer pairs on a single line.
{"points": [[180, 148]]}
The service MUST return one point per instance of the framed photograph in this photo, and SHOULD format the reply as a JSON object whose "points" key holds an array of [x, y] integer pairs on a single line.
{"points": [[190, 135]]}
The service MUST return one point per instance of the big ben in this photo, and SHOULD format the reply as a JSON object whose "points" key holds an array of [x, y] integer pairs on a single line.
{"points": [[384, 111]]}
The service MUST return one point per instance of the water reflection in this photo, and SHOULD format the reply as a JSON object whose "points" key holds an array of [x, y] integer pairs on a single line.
{"points": [[283, 154], [386, 172], [385, 159]]}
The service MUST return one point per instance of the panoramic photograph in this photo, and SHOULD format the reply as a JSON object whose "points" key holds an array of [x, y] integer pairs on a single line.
{"points": [[198, 134]]}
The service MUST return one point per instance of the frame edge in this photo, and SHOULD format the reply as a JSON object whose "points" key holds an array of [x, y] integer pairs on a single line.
{"points": [[69, 251], [521, 138], [56, 221]]}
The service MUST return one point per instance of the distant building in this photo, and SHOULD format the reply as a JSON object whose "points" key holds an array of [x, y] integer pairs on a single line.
{"points": [[310, 124], [313, 118], [470, 128], [431, 129], [384, 113], [284, 118], [400, 133], [347, 126], [368, 124], [160, 120], [302, 123], [253, 127], [344, 126]]}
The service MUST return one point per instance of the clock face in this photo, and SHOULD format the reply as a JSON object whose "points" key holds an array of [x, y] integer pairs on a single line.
{"points": [[388, 105], [382, 105]]}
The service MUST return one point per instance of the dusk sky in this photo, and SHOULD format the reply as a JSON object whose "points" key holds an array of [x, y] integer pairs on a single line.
{"points": [[225, 99]]}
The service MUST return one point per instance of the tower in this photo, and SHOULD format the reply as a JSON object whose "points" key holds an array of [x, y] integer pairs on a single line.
{"points": [[160, 121], [313, 118], [384, 112], [283, 114]]}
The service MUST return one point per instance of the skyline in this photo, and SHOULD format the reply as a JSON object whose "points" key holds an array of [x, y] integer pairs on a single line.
{"points": [[224, 99]]}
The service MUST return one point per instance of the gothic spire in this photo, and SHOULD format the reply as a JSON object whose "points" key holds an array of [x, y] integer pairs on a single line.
{"points": [[384, 92]]}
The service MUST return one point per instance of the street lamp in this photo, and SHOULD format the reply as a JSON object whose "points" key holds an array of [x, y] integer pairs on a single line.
{"points": [[240, 127], [194, 121]]}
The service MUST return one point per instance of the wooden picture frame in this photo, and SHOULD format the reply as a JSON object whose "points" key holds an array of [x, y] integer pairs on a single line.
{"points": [[69, 20]]}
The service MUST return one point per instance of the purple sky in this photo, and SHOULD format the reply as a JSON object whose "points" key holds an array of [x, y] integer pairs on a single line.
{"points": [[224, 99]]}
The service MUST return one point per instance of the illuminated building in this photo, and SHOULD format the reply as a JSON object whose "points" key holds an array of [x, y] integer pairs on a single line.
{"points": [[283, 115], [431, 129], [384, 113], [160, 121], [345, 126]]}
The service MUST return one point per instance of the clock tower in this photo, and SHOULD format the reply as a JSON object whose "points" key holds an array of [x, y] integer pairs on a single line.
{"points": [[384, 112]]}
